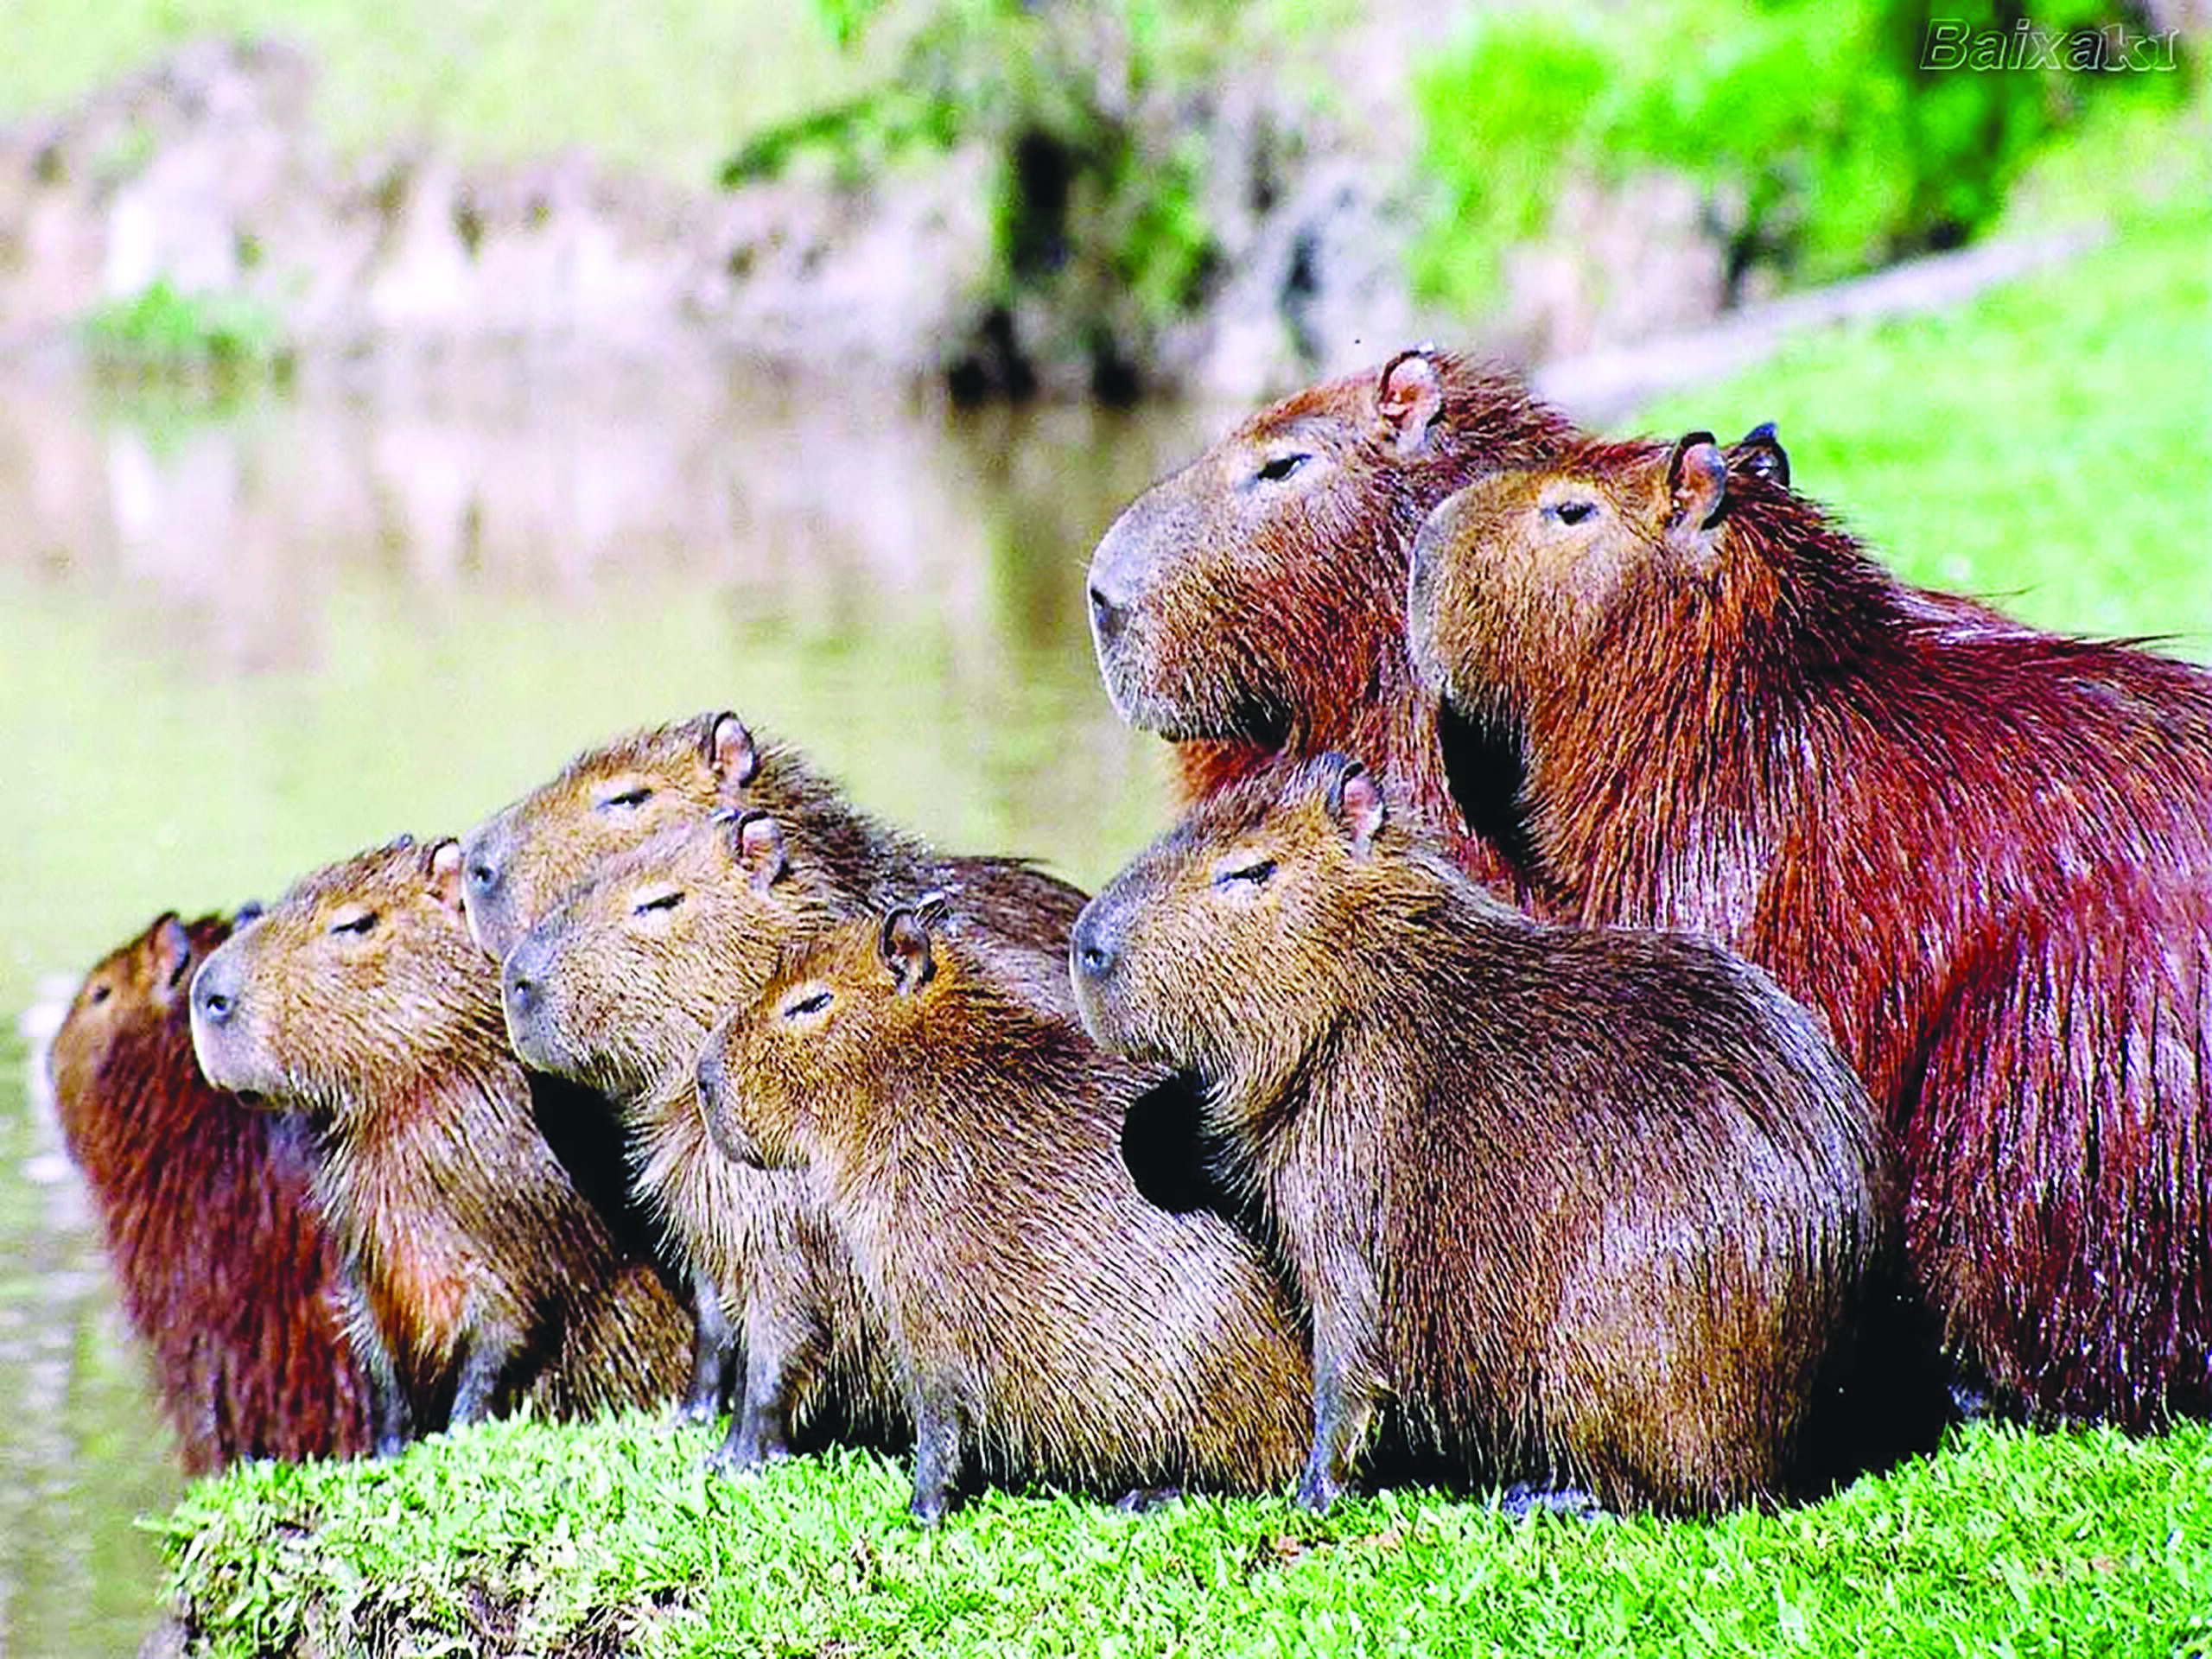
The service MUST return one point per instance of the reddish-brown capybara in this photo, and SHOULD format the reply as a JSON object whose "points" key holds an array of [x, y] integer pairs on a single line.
{"points": [[227, 1273], [1594, 1208], [523, 860], [1252, 605], [483, 1274], [615, 990], [1983, 850], [1052, 1324]]}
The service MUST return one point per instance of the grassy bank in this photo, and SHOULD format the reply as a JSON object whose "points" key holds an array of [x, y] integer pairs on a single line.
{"points": [[519, 1538]]}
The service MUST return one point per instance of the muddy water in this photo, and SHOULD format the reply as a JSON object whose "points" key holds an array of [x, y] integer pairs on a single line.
{"points": [[236, 642]]}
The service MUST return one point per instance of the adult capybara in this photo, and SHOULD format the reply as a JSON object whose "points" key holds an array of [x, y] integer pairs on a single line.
{"points": [[1252, 605], [1052, 1324], [616, 989], [1984, 851], [483, 1275], [1595, 1208], [609, 799], [227, 1273]]}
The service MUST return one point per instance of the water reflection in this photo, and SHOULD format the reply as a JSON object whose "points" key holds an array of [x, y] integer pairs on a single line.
{"points": [[240, 640]]}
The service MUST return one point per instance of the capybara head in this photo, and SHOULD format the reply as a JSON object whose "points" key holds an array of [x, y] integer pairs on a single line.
{"points": [[522, 861], [617, 986], [1231, 941], [361, 980], [1257, 594], [1518, 580], [134, 991], [827, 1029]]}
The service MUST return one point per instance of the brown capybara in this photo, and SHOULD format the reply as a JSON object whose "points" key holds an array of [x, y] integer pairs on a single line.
{"points": [[1985, 852], [1252, 605], [1594, 1208], [521, 861], [615, 990], [1052, 1324], [608, 800], [483, 1274], [226, 1271]]}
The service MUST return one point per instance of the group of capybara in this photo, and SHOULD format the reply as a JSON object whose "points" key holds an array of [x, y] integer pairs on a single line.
{"points": [[1644, 1011]]}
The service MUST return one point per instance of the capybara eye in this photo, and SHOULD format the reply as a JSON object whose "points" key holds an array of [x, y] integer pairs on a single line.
{"points": [[812, 1002], [1572, 513], [634, 796], [1253, 874], [1281, 467], [356, 922], [100, 994], [667, 899]]}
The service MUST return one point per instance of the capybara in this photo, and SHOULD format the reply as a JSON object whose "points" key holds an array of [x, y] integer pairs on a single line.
{"points": [[1984, 851], [1252, 604], [616, 988], [610, 799], [226, 1271], [1052, 1324], [1596, 1208], [523, 859], [483, 1274]]}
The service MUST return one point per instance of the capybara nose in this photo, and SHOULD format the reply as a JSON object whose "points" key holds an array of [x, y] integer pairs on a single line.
{"points": [[214, 994], [1090, 950], [1108, 619]]}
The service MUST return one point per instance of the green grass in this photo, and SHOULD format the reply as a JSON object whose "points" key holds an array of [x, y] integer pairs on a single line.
{"points": [[521, 1537]]}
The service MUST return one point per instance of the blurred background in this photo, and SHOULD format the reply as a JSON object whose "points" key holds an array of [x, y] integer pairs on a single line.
{"points": [[397, 396]]}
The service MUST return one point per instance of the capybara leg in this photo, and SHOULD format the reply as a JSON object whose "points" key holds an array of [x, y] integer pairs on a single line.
{"points": [[761, 1433], [1342, 1409], [391, 1420], [1142, 1500], [713, 1355], [483, 1361], [936, 1457]]}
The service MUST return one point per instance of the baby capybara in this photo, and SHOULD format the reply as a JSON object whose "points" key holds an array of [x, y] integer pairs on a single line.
{"points": [[1052, 1325], [227, 1273], [360, 1000], [616, 989], [521, 861], [1594, 1208], [1985, 852]]}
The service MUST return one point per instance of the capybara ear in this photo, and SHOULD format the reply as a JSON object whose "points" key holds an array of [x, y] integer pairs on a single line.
{"points": [[756, 841], [442, 873], [1760, 454], [1697, 482], [1409, 399], [728, 749], [1356, 802], [172, 957], [904, 945], [248, 914]]}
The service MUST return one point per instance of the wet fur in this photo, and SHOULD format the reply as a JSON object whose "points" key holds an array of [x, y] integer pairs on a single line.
{"points": [[1591, 1209], [227, 1274], [481, 1276], [1055, 1326], [1984, 851]]}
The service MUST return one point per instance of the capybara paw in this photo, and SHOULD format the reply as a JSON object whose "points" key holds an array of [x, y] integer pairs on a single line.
{"points": [[931, 1507], [1139, 1500], [1522, 1499], [1317, 1489]]}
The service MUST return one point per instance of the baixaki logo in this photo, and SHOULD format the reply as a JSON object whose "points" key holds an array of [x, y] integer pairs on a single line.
{"points": [[1952, 44]]}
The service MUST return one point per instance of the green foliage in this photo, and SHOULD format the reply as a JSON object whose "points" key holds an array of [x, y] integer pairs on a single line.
{"points": [[1820, 144], [520, 1538], [165, 330]]}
